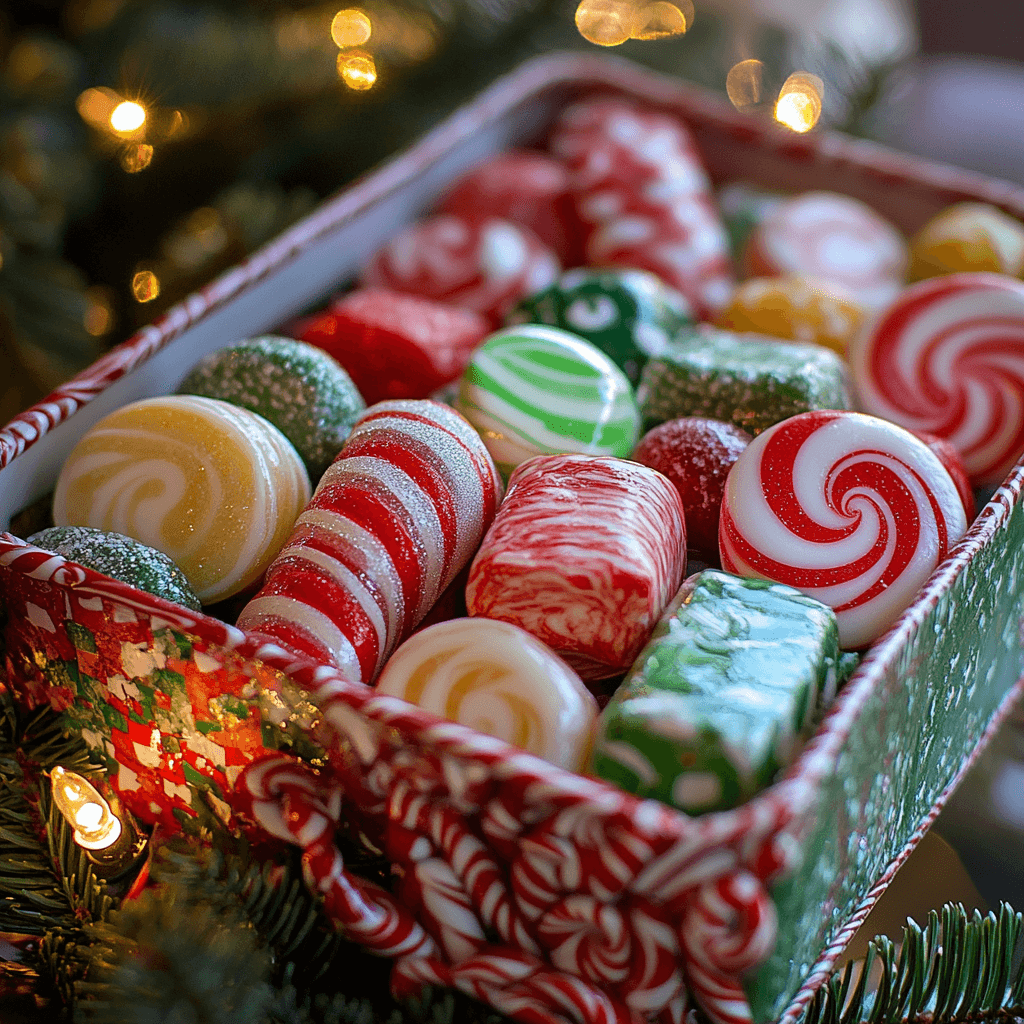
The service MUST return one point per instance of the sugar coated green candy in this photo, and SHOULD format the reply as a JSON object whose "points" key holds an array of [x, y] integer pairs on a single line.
{"points": [[122, 558], [537, 390], [629, 315], [298, 387], [722, 695], [747, 379]]}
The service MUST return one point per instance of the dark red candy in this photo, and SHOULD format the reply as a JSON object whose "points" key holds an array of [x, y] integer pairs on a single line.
{"points": [[954, 463], [395, 345], [696, 454], [527, 188], [486, 266]]}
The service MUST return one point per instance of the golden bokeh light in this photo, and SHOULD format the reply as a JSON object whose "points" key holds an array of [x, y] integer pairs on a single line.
{"points": [[351, 27], [145, 286], [99, 314], [357, 70], [660, 20], [743, 83], [799, 104], [136, 158], [606, 22], [128, 116], [95, 106]]}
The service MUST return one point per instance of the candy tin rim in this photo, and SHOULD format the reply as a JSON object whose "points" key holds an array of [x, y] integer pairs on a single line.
{"points": [[778, 812]]}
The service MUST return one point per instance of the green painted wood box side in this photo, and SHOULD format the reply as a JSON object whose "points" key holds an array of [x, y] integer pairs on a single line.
{"points": [[912, 739]]}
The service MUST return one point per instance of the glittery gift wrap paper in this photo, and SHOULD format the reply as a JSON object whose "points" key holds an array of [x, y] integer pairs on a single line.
{"points": [[565, 897]]}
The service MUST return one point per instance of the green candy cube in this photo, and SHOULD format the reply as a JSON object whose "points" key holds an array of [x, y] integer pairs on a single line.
{"points": [[722, 695], [747, 379]]}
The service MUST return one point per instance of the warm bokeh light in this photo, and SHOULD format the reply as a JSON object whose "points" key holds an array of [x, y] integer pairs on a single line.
{"points": [[606, 22], [357, 70], [96, 105], [136, 158], [127, 116], [743, 83], [95, 826], [145, 286], [661, 19], [799, 104], [99, 314], [351, 27]]}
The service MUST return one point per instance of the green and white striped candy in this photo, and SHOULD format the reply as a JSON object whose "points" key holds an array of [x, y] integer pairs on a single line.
{"points": [[535, 390]]}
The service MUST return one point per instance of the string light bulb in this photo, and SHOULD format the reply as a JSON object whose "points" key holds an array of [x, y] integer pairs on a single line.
{"points": [[95, 826], [799, 104], [661, 19], [357, 70], [128, 116]]}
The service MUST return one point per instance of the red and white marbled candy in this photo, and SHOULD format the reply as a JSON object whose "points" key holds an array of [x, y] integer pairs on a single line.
{"points": [[853, 510], [834, 238], [397, 514], [528, 188], [947, 358], [644, 198], [483, 265], [584, 553]]}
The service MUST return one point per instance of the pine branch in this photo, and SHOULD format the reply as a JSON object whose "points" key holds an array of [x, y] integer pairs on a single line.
{"points": [[958, 968]]}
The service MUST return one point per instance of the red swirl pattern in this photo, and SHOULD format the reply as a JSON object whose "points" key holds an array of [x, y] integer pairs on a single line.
{"points": [[848, 508], [947, 358]]}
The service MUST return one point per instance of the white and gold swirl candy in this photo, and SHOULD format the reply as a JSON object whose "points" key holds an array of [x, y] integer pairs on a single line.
{"points": [[499, 680], [213, 486]]}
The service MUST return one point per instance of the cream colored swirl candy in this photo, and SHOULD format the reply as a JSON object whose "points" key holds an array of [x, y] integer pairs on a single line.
{"points": [[213, 486], [500, 680]]}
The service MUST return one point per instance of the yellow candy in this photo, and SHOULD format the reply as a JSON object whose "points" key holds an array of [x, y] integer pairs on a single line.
{"points": [[500, 680], [968, 236], [213, 486], [796, 309]]}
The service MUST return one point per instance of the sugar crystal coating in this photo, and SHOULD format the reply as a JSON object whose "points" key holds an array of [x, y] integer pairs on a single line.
{"points": [[121, 558], [392, 521], [299, 388]]}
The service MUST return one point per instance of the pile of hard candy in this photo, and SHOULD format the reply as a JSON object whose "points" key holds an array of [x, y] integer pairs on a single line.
{"points": [[478, 479]]}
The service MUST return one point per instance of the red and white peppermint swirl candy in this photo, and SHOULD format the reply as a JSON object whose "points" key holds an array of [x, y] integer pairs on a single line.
{"points": [[644, 197], [585, 553], [834, 238], [395, 517], [482, 265], [947, 358], [854, 511]]}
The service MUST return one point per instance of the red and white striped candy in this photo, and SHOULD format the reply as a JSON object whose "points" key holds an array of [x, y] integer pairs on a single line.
{"points": [[834, 238], [528, 188], [584, 554], [851, 509], [947, 358], [482, 265], [644, 198], [395, 517]]}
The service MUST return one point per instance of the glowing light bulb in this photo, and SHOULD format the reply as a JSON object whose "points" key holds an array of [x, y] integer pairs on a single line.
{"points": [[145, 286], [99, 314], [357, 70], [661, 19], [127, 116], [95, 826], [743, 83], [605, 22], [351, 27], [799, 104]]}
